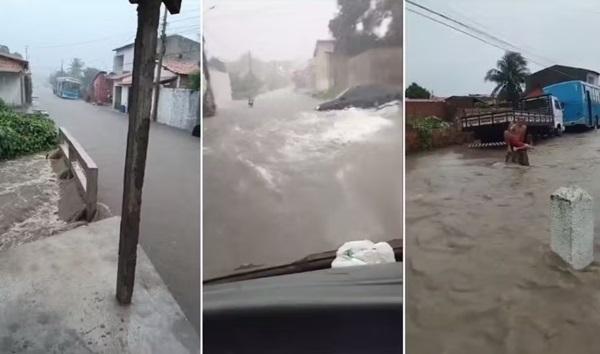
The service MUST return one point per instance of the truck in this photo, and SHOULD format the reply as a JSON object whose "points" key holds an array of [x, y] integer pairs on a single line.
{"points": [[580, 101], [542, 114]]}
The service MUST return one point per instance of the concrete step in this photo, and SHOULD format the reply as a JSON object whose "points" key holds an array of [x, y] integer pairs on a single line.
{"points": [[58, 295]]}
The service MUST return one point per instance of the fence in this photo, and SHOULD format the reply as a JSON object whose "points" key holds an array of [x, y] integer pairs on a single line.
{"points": [[84, 170], [179, 108]]}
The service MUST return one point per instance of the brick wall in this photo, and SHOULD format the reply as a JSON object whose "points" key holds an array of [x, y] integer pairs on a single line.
{"points": [[426, 108]]}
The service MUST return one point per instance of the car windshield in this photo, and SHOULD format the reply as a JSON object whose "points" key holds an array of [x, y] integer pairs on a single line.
{"points": [[282, 180]]}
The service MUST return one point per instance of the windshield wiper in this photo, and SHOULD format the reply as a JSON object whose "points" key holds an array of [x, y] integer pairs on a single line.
{"points": [[312, 262]]}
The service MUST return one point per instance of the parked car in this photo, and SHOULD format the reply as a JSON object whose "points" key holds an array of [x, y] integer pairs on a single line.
{"points": [[363, 96]]}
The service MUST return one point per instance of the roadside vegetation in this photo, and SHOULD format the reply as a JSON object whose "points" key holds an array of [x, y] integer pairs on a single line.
{"points": [[416, 91], [425, 129], [23, 134]]}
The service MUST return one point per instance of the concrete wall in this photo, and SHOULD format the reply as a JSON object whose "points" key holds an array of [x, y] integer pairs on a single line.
{"points": [[11, 89], [221, 87], [178, 108], [376, 66]]}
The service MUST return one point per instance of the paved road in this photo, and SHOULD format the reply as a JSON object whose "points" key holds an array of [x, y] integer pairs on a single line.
{"points": [[282, 181], [170, 230]]}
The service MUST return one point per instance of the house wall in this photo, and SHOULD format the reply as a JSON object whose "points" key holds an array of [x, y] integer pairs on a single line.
{"points": [[376, 66], [102, 89], [221, 87], [127, 63], [11, 89], [179, 108], [179, 47]]}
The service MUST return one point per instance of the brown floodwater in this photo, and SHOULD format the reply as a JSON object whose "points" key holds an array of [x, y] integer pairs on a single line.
{"points": [[480, 274]]}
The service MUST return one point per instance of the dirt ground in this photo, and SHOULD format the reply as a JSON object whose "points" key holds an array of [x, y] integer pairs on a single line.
{"points": [[481, 277]]}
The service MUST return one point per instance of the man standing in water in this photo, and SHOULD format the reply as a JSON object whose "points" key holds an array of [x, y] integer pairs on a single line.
{"points": [[514, 138]]}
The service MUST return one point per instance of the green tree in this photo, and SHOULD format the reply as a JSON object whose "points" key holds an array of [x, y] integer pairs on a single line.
{"points": [[195, 80], [356, 26], [509, 76], [88, 76], [416, 91], [52, 78], [76, 68]]}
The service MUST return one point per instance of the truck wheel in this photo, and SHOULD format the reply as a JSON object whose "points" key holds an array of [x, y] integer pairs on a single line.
{"points": [[559, 131]]}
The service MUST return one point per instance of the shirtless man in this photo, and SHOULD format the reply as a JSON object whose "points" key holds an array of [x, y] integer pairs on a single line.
{"points": [[514, 138]]}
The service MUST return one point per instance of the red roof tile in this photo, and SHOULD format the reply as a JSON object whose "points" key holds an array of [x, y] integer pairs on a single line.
{"points": [[181, 67], [11, 64]]}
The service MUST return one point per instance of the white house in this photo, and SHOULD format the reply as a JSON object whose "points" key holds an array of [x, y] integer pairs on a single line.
{"points": [[178, 49], [14, 76], [122, 68]]}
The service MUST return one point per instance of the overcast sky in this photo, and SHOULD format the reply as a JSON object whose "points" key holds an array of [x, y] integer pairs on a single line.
{"points": [[450, 63], [87, 29], [271, 29]]}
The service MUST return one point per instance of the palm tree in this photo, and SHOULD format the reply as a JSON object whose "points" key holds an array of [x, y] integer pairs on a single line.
{"points": [[509, 76]]}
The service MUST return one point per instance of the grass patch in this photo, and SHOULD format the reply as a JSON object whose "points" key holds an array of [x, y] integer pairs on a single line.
{"points": [[23, 134]]}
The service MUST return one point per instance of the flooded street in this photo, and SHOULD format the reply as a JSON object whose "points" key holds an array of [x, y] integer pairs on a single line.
{"points": [[481, 274], [282, 181]]}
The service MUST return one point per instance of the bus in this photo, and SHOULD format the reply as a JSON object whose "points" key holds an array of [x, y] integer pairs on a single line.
{"points": [[67, 87], [580, 102]]}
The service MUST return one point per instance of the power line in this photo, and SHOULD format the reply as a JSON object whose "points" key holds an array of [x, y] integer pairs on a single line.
{"points": [[477, 37], [197, 17], [475, 29], [455, 28], [196, 26], [73, 44], [524, 48]]}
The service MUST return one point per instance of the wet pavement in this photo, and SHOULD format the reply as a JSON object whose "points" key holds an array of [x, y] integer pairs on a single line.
{"points": [[29, 201], [282, 181], [170, 220], [481, 275], [54, 300]]}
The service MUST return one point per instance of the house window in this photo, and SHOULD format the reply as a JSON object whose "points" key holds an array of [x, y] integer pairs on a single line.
{"points": [[118, 63]]}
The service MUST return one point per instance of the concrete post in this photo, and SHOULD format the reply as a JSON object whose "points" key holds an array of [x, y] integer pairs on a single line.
{"points": [[572, 226]]}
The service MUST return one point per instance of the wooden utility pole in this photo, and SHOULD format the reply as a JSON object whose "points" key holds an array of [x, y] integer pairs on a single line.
{"points": [[137, 144], [161, 54]]}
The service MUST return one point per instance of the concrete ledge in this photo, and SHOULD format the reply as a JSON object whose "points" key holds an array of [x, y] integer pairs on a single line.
{"points": [[58, 295]]}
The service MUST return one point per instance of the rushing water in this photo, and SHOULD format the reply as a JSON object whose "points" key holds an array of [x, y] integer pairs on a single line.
{"points": [[481, 277], [282, 180], [29, 195]]}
